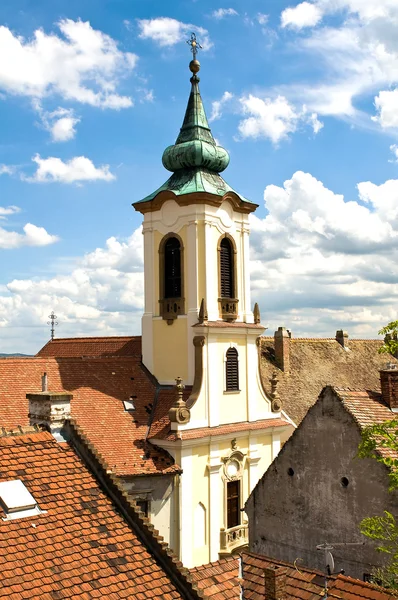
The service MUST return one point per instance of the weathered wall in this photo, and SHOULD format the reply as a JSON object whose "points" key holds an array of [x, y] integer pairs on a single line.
{"points": [[289, 515], [158, 490]]}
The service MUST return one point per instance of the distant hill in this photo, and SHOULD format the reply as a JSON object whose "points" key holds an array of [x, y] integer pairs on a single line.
{"points": [[15, 355]]}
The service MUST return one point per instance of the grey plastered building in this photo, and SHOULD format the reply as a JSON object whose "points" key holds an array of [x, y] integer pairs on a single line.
{"points": [[317, 491]]}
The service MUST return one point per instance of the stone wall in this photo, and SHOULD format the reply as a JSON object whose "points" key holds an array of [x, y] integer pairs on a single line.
{"points": [[317, 491]]}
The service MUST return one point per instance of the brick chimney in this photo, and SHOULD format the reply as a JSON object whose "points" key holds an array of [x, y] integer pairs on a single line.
{"points": [[49, 409], [342, 338], [275, 583], [282, 348], [389, 386]]}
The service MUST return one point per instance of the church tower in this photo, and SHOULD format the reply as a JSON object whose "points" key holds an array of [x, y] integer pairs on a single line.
{"points": [[198, 325], [196, 247]]}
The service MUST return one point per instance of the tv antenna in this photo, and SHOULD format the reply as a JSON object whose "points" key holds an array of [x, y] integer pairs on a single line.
{"points": [[53, 322], [329, 560]]}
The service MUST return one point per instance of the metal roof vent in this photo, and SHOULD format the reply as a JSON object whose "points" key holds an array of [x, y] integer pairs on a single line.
{"points": [[17, 501]]}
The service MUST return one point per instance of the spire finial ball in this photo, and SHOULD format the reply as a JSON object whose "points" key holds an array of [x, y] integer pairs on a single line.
{"points": [[194, 66]]}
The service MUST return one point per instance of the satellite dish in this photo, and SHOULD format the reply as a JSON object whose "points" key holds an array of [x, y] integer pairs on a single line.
{"points": [[329, 562]]}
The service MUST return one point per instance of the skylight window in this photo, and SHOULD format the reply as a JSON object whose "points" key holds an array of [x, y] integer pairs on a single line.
{"points": [[17, 501], [129, 404]]}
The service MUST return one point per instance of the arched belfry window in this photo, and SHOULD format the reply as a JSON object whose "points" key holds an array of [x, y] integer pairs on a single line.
{"points": [[172, 268], [171, 277], [232, 370], [228, 302], [226, 269]]}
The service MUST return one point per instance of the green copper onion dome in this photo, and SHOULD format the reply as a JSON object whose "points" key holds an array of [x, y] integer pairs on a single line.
{"points": [[195, 160], [195, 146]]}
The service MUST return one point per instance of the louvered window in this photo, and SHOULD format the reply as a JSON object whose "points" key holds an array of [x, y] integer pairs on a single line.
{"points": [[226, 269], [233, 503], [232, 370], [172, 268]]}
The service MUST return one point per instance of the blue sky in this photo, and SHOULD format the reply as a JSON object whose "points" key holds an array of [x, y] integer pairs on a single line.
{"points": [[303, 96]]}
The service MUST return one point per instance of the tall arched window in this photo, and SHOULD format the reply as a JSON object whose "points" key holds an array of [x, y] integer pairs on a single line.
{"points": [[171, 278], [232, 370], [226, 269], [172, 268]]}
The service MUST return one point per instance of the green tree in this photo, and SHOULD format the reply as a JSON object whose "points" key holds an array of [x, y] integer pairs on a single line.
{"points": [[390, 333], [381, 443]]}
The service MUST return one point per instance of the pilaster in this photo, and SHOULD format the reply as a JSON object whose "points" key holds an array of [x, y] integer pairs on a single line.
{"points": [[215, 488]]}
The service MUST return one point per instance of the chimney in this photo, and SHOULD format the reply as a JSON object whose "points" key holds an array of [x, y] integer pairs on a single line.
{"points": [[282, 348], [275, 583], [342, 338], [50, 409], [389, 386]]}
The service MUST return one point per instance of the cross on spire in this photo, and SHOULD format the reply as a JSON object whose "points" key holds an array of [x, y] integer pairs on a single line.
{"points": [[195, 46]]}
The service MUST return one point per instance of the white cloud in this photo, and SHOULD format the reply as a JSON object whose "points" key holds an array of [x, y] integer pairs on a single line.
{"points": [[5, 211], [60, 122], [217, 106], [383, 198], [386, 104], [304, 14], [221, 13], [166, 31], [394, 150], [103, 294], [274, 119], [75, 170], [358, 54], [320, 262], [6, 170], [262, 18], [32, 236], [81, 64], [315, 123]]}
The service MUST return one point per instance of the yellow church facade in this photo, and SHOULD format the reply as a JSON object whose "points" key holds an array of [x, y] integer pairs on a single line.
{"points": [[199, 326]]}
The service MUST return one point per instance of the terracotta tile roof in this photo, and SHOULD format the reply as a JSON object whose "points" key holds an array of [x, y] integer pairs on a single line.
{"points": [[99, 386], [202, 432], [304, 584], [315, 363], [367, 408], [92, 346], [219, 579], [225, 324], [81, 547]]}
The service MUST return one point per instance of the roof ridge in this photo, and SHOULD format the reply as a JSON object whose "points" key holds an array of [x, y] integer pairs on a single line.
{"points": [[19, 431], [136, 519]]}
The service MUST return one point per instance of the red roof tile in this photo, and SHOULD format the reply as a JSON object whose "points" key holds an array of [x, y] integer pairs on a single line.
{"points": [[92, 346], [219, 579], [81, 547], [99, 386], [367, 408], [304, 584]]}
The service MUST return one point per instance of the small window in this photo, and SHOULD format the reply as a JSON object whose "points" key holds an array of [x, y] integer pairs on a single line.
{"points": [[17, 501], [143, 506], [232, 370], [226, 269], [172, 268], [233, 503]]}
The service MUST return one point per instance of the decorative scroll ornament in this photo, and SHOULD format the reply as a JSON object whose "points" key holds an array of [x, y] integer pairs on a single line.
{"points": [[179, 413]]}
